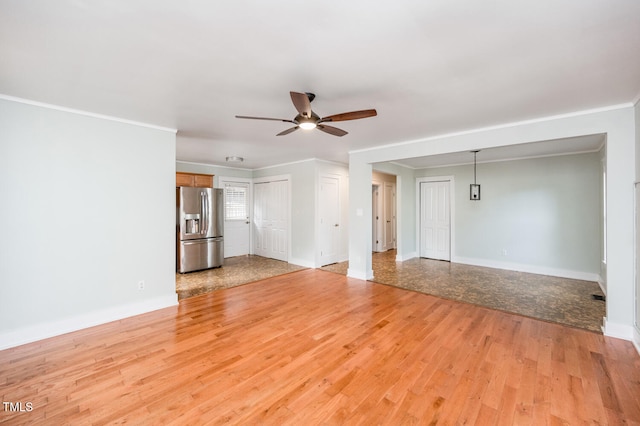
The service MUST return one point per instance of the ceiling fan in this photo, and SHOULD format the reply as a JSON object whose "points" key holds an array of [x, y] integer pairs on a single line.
{"points": [[307, 119]]}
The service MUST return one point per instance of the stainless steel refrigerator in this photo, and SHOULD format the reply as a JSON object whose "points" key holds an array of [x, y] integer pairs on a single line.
{"points": [[199, 228]]}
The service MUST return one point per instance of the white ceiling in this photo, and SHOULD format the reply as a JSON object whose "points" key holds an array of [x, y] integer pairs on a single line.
{"points": [[580, 145], [428, 67]]}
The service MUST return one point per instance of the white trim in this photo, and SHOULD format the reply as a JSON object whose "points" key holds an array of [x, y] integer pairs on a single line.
{"points": [[332, 162], [501, 160], [602, 284], [619, 331], [532, 269], [337, 163], [452, 210], [87, 113], [43, 331], [399, 222], [365, 277], [213, 165], [285, 164], [302, 262], [636, 264], [636, 340], [376, 224], [276, 178], [504, 160], [402, 258], [496, 127]]}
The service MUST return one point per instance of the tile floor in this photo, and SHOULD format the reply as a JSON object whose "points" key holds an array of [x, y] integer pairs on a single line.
{"points": [[236, 271]]}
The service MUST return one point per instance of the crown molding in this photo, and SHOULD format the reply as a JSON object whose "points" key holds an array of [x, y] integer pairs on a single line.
{"points": [[86, 113]]}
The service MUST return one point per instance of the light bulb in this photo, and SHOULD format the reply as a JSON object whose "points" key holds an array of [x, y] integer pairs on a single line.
{"points": [[307, 125]]}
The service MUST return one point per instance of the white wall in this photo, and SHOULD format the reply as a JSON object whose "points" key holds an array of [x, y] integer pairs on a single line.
{"points": [[616, 122], [544, 212], [87, 212]]}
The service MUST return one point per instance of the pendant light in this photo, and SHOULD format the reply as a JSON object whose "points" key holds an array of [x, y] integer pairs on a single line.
{"points": [[474, 188]]}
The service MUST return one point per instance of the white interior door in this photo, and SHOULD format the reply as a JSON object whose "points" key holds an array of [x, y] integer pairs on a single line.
{"points": [[376, 219], [389, 198], [280, 220], [237, 220], [271, 219], [329, 209], [435, 220]]}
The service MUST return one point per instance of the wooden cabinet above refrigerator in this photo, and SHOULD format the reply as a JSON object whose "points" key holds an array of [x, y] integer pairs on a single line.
{"points": [[194, 179]]}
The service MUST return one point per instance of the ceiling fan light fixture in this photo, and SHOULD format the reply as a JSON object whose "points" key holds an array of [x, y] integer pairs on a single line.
{"points": [[308, 120]]}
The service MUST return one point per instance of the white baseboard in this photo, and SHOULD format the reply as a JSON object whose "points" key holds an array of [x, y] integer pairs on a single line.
{"points": [[532, 269], [43, 331], [308, 263], [407, 256], [603, 285], [636, 339], [360, 276], [302, 262], [620, 331]]}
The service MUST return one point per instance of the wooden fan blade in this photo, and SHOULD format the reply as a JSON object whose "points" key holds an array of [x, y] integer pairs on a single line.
{"points": [[353, 115], [265, 118], [286, 132], [331, 130], [302, 103]]}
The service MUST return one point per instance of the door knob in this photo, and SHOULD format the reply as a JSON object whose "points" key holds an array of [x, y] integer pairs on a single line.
{"points": [[336, 225]]}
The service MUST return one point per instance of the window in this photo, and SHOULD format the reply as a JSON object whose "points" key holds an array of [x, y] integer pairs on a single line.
{"points": [[235, 202]]}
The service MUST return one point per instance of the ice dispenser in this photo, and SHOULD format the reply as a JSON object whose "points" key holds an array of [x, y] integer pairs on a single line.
{"points": [[192, 223]]}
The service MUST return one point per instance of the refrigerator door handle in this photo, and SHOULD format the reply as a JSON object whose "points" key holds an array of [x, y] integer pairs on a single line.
{"points": [[193, 242], [204, 206]]}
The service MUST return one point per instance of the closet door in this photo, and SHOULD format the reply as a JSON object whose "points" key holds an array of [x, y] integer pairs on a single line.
{"points": [[271, 219], [280, 220]]}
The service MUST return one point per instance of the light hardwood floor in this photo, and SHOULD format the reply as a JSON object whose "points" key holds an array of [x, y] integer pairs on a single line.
{"points": [[562, 300], [314, 347]]}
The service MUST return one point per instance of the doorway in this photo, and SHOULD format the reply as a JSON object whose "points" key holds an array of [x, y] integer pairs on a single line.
{"points": [[383, 210]]}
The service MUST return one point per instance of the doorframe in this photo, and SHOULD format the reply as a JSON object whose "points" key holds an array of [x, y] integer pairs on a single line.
{"points": [[393, 203], [221, 182], [452, 210], [376, 209]]}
